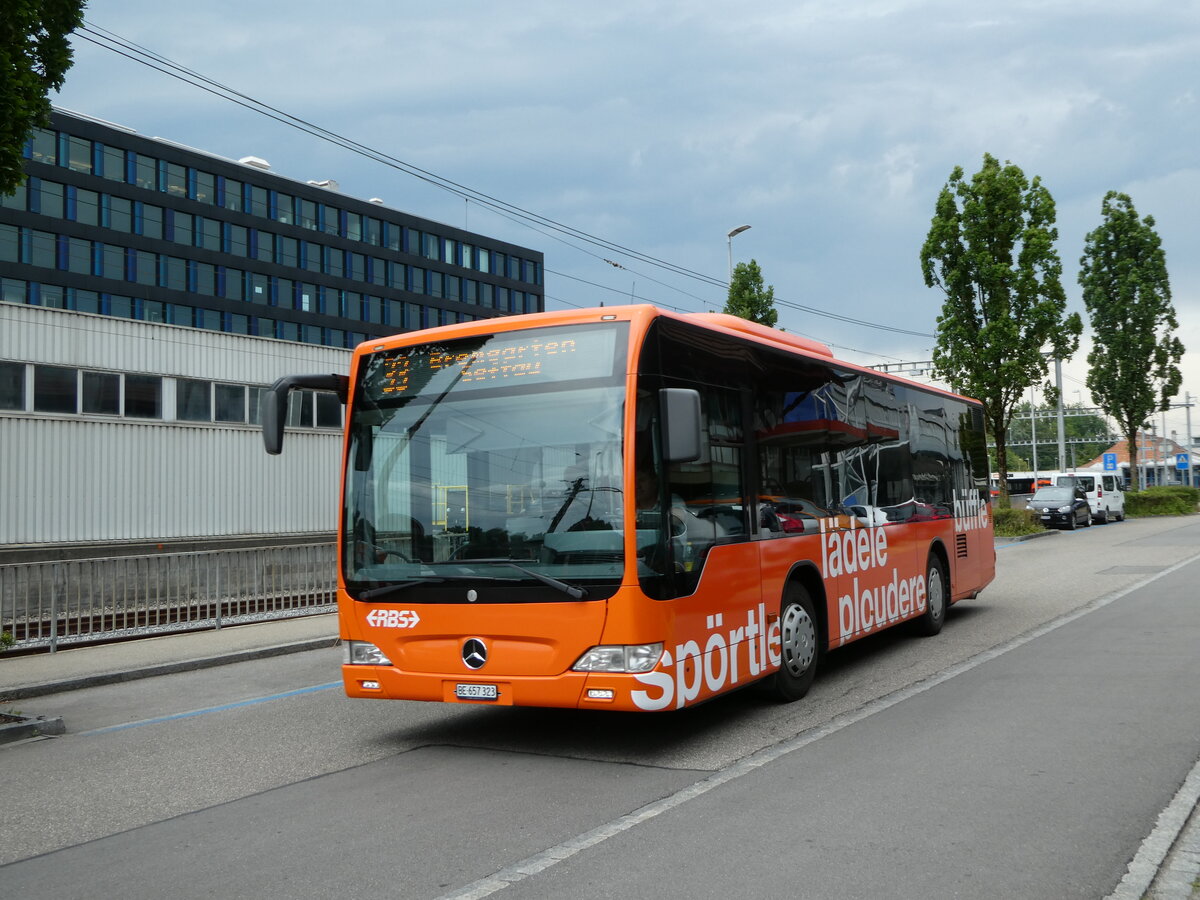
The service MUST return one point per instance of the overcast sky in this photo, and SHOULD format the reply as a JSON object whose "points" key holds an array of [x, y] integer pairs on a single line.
{"points": [[659, 126]]}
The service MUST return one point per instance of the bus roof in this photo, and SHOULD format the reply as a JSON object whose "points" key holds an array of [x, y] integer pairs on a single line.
{"points": [[642, 314]]}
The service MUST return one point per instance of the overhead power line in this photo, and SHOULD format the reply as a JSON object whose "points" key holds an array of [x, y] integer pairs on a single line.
{"points": [[113, 42]]}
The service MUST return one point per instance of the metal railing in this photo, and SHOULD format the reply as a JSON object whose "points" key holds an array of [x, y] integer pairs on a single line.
{"points": [[69, 602]]}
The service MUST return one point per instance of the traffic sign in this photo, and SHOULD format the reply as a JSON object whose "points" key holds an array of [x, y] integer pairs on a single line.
{"points": [[1181, 461], [1110, 462]]}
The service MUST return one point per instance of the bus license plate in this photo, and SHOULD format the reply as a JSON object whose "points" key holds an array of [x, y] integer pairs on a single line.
{"points": [[476, 692]]}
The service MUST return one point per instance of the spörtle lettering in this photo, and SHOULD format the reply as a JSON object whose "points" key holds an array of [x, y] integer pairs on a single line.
{"points": [[746, 652]]}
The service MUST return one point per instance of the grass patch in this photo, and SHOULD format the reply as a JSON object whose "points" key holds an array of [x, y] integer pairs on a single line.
{"points": [[1171, 500], [1015, 522]]}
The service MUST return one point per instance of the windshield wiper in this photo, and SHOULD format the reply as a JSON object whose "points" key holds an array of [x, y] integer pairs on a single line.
{"points": [[386, 590], [570, 590]]}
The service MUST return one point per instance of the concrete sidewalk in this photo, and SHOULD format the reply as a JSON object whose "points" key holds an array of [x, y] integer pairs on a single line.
{"points": [[79, 667]]}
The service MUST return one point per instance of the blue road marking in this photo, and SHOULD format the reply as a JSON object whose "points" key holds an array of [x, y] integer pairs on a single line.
{"points": [[211, 709]]}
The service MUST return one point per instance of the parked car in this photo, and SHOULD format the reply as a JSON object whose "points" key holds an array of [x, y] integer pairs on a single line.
{"points": [[1061, 506], [1104, 493]]}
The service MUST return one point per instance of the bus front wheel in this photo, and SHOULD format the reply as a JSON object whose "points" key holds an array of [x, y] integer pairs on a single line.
{"points": [[937, 592], [800, 648]]}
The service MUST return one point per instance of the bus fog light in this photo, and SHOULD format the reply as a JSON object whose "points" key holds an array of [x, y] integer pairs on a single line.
{"points": [[369, 685], [627, 658], [600, 694], [361, 653]]}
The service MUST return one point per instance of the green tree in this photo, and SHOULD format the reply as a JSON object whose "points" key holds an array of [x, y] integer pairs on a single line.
{"points": [[1133, 369], [34, 57], [990, 249], [748, 298]]}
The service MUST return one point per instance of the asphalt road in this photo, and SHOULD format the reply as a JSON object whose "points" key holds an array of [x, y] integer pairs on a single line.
{"points": [[1027, 751]]}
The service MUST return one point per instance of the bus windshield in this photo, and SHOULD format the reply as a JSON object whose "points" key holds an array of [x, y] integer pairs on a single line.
{"points": [[488, 459]]}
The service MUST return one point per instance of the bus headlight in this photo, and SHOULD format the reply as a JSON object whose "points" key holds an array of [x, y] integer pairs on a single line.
{"points": [[625, 658], [361, 653]]}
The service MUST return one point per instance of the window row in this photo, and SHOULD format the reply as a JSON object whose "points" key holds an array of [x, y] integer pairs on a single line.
{"points": [[64, 390], [108, 260], [401, 316], [126, 166]]}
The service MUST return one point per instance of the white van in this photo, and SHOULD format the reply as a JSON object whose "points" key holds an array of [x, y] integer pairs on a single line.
{"points": [[1104, 493]]}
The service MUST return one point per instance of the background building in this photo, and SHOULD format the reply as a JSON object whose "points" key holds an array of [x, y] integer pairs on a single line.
{"points": [[151, 291]]}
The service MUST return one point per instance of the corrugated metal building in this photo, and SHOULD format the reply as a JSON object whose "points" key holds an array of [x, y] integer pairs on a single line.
{"points": [[120, 469], [150, 291]]}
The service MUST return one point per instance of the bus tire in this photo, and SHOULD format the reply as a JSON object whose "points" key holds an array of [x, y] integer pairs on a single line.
{"points": [[799, 645], [937, 592]]}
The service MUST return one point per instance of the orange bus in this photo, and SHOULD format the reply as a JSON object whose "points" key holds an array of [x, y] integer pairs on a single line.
{"points": [[628, 509]]}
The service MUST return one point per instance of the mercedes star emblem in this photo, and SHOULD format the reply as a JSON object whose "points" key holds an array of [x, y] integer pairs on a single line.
{"points": [[474, 653]]}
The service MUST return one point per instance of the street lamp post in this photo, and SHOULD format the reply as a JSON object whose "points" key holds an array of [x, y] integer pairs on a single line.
{"points": [[729, 240]]}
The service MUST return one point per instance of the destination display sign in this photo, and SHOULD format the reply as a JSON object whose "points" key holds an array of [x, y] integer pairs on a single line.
{"points": [[536, 355]]}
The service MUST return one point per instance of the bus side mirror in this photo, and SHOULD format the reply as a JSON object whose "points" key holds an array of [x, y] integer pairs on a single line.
{"points": [[275, 403], [680, 409]]}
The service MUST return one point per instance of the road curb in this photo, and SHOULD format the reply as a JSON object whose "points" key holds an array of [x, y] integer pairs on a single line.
{"points": [[23, 692], [1015, 539], [24, 727]]}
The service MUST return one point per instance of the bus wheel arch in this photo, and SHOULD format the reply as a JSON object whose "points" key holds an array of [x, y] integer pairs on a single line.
{"points": [[802, 635], [938, 592]]}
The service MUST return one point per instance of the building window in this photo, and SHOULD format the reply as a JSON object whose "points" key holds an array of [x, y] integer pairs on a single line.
{"points": [[145, 171], [150, 221], [12, 385], [121, 306], [145, 269], [41, 249], [84, 301], [180, 228], [193, 401], [17, 200], [283, 208], [44, 148], [154, 311], [112, 163], [329, 410], [54, 389], [206, 187], [233, 194], [258, 201], [118, 214], [308, 213], [79, 256], [175, 180], [260, 289], [102, 393], [230, 403], [286, 251], [300, 409], [208, 233], [143, 396], [49, 198], [236, 238], [175, 276], [87, 207], [79, 155]]}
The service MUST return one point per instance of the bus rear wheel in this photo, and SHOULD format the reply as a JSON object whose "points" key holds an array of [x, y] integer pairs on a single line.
{"points": [[800, 647], [937, 592]]}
